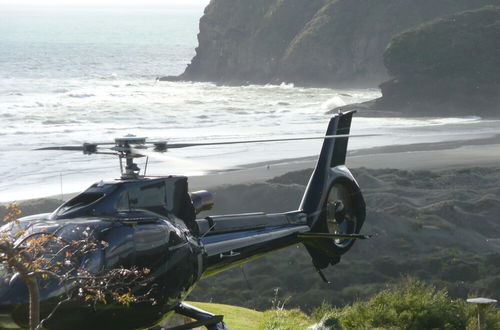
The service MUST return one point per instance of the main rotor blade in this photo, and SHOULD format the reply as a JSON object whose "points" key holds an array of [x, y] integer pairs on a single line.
{"points": [[186, 145], [90, 148], [178, 161], [69, 148]]}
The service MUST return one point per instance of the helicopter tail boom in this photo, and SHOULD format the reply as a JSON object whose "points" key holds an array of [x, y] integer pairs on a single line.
{"points": [[327, 222], [332, 200]]}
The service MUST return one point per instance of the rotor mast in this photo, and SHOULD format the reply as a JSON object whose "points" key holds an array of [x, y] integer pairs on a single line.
{"points": [[124, 147]]}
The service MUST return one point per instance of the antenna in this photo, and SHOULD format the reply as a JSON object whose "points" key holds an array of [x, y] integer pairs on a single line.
{"points": [[61, 185], [146, 165]]}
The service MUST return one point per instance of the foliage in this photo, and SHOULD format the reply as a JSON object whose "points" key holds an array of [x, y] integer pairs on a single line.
{"points": [[448, 66], [464, 45], [40, 258], [409, 305]]}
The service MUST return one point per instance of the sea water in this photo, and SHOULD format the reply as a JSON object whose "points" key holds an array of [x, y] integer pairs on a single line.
{"points": [[70, 75]]}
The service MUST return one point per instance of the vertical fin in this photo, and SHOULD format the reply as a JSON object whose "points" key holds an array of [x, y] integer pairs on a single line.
{"points": [[333, 153], [330, 171]]}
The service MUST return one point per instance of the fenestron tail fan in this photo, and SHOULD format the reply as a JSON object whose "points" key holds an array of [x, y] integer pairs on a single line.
{"points": [[333, 201]]}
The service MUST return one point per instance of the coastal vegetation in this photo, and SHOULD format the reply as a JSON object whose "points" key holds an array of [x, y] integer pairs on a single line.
{"points": [[406, 304], [409, 304]]}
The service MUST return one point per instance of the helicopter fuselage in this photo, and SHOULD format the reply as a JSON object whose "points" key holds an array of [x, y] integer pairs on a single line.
{"points": [[142, 228]]}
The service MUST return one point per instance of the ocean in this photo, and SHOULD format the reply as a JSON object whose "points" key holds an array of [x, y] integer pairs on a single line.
{"points": [[70, 75]]}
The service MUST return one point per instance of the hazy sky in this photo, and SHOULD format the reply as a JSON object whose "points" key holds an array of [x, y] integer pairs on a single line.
{"points": [[101, 2]]}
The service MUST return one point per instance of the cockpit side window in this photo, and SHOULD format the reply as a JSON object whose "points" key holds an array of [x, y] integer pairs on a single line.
{"points": [[150, 197]]}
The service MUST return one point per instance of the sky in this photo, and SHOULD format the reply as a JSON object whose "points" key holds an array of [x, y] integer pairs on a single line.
{"points": [[100, 2]]}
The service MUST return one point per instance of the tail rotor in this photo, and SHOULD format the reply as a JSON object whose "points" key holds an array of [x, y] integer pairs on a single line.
{"points": [[333, 201]]}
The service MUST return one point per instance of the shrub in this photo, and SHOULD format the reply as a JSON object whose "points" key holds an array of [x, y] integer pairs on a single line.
{"points": [[408, 305]]}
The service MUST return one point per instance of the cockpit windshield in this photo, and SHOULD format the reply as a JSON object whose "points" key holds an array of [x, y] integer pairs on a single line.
{"points": [[79, 202]]}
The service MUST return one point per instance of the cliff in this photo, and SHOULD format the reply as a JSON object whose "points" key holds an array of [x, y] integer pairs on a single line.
{"points": [[307, 42]]}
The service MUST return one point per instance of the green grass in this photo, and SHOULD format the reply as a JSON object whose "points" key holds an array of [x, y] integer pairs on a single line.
{"points": [[239, 318], [236, 318], [410, 304], [283, 319]]}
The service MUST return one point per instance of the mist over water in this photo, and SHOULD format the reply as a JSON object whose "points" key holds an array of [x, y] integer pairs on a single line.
{"points": [[73, 75]]}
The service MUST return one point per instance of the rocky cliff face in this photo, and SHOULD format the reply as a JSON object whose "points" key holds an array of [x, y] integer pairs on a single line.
{"points": [[448, 66], [307, 42]]}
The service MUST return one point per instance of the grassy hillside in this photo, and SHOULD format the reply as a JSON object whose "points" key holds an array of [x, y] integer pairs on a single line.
{"points": [[409, 304]]}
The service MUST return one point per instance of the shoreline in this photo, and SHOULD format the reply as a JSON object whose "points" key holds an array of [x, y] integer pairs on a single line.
{"points": [[419, 156]]}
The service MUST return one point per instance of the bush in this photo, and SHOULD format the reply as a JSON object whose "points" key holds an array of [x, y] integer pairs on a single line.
{"points": [[408, 305]]}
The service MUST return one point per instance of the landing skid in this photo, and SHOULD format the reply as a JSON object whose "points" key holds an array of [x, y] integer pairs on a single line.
{"points": [[203, 318]]}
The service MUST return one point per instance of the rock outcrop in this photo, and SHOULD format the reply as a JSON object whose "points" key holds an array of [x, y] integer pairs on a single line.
{"points": [[450, 66], [307, 42]]}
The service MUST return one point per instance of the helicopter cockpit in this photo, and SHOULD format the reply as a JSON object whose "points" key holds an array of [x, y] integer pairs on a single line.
{"points": [[163, 197]]}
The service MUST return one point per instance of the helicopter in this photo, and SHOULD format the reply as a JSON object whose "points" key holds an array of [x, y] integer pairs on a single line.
{"points": [[152, 222]]}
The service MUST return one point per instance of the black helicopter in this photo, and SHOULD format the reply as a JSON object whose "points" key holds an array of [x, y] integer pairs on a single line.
{"points": [[151, 222]]}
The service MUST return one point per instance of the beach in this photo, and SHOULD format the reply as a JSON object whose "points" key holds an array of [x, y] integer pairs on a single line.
{"points": [[426, 156]]}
